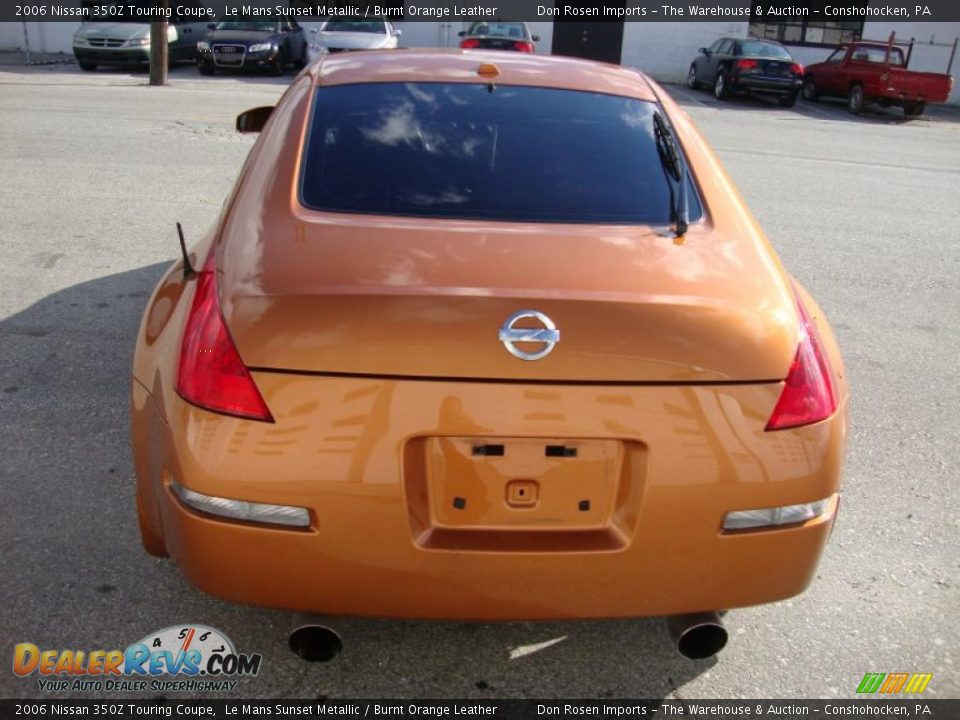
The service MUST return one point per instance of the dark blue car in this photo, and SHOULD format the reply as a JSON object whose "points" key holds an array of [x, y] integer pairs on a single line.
{"points": [[271, 46]]}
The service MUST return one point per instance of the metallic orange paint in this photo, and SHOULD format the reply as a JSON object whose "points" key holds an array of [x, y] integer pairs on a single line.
{"points": [[374, 344]]}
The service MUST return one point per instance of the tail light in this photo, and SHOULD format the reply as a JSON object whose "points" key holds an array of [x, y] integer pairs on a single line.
{"points": [[211, 374], [746, 64], [469, 43], [796, 68], [808, 395], [523, 46]]}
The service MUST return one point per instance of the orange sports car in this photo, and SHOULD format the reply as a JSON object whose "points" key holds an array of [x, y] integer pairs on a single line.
{"points": [[488, 336]]}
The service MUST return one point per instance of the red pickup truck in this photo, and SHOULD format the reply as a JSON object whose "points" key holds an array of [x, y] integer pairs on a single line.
{"points": [[868, 71]]}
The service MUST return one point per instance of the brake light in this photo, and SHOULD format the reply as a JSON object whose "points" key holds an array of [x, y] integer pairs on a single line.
{"points": [[746, 64], [796, 68], [211, 374], [808, 395], [523, 46], [469, 43]]}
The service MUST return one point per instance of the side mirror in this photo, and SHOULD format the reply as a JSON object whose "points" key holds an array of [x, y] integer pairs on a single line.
{"points": [[211, 26], [703, 51], [535, 38], [462, 33], [398, 33], [254, 119], [313, 31]]}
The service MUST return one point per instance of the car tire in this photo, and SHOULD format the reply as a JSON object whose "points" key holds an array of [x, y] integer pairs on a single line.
{"points": [[855, 100], [720, 90], [810, 89], [88, 66], [277, 68], [206, 69], [787, 101], [914, 109], [692, 78]]}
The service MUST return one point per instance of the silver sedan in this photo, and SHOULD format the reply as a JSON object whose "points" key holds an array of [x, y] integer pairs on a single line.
{"points": [[343, 35]]}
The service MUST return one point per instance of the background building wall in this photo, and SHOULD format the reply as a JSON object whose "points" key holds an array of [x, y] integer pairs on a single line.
{"points": [[50, 37], [665, 50]]}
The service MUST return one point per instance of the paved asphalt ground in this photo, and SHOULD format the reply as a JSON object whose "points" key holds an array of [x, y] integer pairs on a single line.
{"points": [[96, 168]]}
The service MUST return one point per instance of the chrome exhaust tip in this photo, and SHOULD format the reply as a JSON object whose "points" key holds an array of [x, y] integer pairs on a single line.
{"points": [[316, 643], [697, 635]]}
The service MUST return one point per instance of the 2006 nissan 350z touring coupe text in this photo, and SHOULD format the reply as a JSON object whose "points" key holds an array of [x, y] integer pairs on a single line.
{"points": [[486, 337]]}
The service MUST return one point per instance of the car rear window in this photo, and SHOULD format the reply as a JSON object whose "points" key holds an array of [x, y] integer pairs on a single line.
{"points": [[756, 48], [877, 54], [474, 151], [498, 30], [365, 26]]}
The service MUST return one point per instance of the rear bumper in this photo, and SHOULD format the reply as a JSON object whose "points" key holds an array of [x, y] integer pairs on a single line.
{"points": [[384, 543], [893, 96], [766, 85]]}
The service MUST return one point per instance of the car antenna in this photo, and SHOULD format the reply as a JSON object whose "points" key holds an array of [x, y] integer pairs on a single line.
{"points": [[188, 270]]}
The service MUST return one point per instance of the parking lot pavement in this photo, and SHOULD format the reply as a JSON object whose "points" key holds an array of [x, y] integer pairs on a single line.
{"points": [[98, 167]]}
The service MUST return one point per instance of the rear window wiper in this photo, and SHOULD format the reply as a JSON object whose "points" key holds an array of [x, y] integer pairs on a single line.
{"points": [[676, 171]]}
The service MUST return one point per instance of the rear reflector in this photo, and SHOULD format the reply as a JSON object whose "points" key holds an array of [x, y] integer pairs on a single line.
{"points": [[242, 510], [211, 374], [469, 43], [808, 395], [796, 68], [766, 517], [523, 47], [746, 64]]}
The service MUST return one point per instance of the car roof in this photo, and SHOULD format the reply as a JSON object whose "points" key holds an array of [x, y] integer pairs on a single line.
{"points": [[456, 65], [497, 22]]}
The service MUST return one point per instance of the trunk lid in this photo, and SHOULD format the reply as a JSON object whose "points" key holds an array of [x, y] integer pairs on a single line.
{"points": [[396, 297], [775, 68], [486, 43]]}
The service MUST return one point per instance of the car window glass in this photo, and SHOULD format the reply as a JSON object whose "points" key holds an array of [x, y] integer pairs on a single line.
{"points": [[877, 54], [716, 46], [248, 25], [522, 154], [756, 48], [837, 56], [497, 29], [726, 47], [366, 26]]}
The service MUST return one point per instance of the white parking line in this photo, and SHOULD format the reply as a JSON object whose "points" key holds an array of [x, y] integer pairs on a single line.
{"points": [[809, 107], [519, 652], [686, 94]]}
